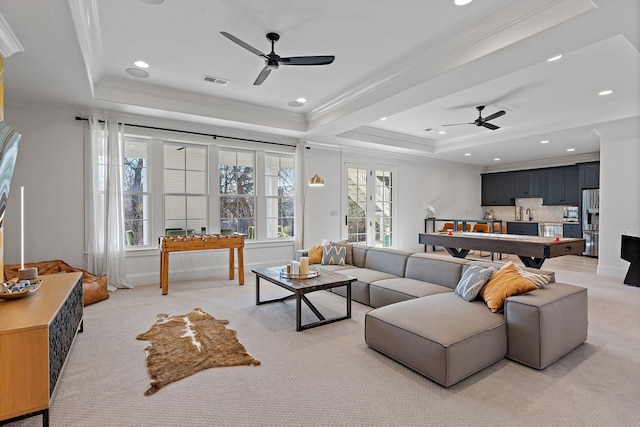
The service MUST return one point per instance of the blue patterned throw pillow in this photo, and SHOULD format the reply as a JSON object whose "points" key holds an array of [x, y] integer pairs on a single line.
{"points": [[334, 255], [472, 281]]}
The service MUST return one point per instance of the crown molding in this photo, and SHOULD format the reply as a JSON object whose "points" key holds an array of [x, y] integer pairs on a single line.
{"points": [[87, 25], [9, 43], [545, 163]]}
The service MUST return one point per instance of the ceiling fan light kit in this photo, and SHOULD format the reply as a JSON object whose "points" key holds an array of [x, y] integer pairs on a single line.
{"points": [[483, 121], [273, 61]]}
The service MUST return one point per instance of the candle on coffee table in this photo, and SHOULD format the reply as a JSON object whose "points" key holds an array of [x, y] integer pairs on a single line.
{"points": [[304, 265]]}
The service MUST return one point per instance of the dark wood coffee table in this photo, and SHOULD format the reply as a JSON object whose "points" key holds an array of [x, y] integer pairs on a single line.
{"points": [[300, 287]]}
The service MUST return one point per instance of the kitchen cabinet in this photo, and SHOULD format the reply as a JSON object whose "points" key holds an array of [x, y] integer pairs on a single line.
{"points": [[555, 186], [572, 230], [525, 228], [522, 184], [563, 187], [589, 175], [496, 189]]}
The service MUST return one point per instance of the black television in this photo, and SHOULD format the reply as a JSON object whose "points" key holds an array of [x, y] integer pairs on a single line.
{"points": [[9, 139]]}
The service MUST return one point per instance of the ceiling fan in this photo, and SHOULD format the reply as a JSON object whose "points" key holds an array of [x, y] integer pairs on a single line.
{"points": [[273, 61], [480, 121]]}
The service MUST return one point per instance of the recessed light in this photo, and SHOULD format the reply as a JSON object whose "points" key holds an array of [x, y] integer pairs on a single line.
{"points": [[442, 132], [571, 149], [554, 58], [467, 154], [546, 141], [462, 2], [295, 104], [383, 118], [497, 159], [137, 72], [140, 64], [605, 92], [301, 99]]}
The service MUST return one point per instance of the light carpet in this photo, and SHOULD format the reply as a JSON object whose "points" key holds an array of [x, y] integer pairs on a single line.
{"points": [[327, 376]]}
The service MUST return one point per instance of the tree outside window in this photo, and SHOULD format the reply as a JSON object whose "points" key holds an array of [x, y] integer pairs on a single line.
{"points": [[137, 197], [279, 191], [237, 192]]}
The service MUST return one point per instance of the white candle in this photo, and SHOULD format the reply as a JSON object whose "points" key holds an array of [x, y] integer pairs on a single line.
{"points": [[304, 265], [295, 267]]}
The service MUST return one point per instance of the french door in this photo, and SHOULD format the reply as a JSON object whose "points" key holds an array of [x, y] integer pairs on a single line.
{"points": [[369, 206]]}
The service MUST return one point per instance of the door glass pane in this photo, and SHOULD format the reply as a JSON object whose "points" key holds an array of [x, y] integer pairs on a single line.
{"points": [[356, 204], [369, 206]]}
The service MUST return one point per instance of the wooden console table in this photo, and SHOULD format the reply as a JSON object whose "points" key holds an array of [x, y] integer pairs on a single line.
{"points": [[201, 242], [36, 333]]}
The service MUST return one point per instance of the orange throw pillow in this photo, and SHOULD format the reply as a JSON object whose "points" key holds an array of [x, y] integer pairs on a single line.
{"points": [[504, 283], [315, 255]]}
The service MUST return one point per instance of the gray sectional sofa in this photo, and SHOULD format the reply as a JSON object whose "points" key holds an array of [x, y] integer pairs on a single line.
{"points": [[420, 322]]}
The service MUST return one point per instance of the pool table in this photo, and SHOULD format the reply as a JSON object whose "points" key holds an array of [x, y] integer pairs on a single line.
{"points": [[532, 250]]}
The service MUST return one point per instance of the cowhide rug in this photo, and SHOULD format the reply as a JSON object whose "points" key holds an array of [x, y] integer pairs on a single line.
{"points": [[185, 344]]}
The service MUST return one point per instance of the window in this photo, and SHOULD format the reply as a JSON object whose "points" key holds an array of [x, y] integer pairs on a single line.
{"points": [[185, 189], [137, 195], [237, 192], [279, 192]]}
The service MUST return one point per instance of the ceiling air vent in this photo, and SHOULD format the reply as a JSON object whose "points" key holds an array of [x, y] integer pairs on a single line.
{"points": [[217, 80]]}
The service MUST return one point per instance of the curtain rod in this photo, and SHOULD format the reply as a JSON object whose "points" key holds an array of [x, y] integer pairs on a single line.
{"points": [[196, 133]]}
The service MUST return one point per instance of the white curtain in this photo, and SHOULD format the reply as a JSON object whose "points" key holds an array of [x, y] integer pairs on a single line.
{"points": [[106, 245], [300, 186]]}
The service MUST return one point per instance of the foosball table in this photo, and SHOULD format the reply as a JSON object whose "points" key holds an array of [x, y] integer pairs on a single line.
{"points": [[201, 242]]}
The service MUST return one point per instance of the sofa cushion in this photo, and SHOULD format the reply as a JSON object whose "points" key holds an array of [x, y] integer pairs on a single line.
{"points": [[334, 255], [390, 291], [332, 267], [433, 269], [387, 260], [348, 255], [520, 268], [367, 275], [544, 325], [472, 281], [315, 254], [359, 255], [538, 279], [442, 336], [504, 283]]}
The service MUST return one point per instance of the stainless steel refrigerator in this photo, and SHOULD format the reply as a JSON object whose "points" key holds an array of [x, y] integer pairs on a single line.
{"points": [[591, 221]]}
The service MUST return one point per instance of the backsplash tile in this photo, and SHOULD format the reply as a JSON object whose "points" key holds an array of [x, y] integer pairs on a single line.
{"points": [[539, 212]]}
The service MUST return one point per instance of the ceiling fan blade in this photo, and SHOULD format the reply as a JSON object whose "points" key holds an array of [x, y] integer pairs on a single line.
{"points": [[307, 60], [458, 124], [262, 76], [243, 44], [490, 126], [495, 115]]}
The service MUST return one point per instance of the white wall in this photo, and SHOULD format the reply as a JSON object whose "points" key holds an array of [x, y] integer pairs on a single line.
{"points": [[454, 188], [50, 167], [619, 194]]}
